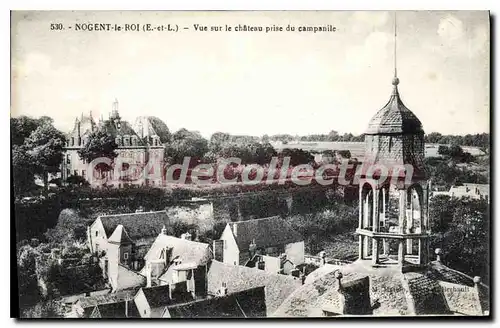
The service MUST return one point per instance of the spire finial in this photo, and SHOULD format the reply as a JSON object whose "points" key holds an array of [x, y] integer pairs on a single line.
{"points": [[395, 80]]}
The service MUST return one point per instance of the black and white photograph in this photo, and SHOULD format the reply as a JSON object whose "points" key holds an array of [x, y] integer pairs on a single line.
{"points": [[250, 164]]}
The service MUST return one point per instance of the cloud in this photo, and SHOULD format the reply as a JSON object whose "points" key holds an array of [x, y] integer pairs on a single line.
{"points": [[456, 38], [451, 28]]}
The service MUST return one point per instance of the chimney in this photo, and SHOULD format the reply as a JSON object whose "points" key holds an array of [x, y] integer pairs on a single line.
{"points": [[252, 249], [140, 209], [186, 236], [438, 254], [223, 289], [322, 256], [164, 230], [148, 274], [235, 229]]}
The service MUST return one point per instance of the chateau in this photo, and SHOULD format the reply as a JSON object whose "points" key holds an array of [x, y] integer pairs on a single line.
{"points": [[140, 146]]}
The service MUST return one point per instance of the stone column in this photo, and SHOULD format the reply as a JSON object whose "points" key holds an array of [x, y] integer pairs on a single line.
{"points": [[376, 213], [361, 240], [401, 252], [361, 209]]}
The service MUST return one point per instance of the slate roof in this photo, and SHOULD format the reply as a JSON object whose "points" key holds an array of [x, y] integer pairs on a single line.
{"points": [[249, 303], [120, 236], [394, 118], [239, 278], [160, 296], [114, 310], [148, 126], [266, 232], [138, 225], [120, 296], [392, 292], [187, 250], [125, 129]]}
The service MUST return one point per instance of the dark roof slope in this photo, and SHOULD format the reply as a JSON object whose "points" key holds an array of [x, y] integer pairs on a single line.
{"points": [[394, 118], [120, 296], [120, 236], [249, 303], [266, 232], [138, 225], [125, 129], [239, 278]]}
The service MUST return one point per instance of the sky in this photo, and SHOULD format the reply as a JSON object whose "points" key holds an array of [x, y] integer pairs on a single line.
{"points": [[255, 83]]}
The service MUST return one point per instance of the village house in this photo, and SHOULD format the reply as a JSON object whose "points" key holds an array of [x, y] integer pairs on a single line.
{"points": [[171, 260], [225, 279], [272, 236], [471, 190], [106, 304], [152, 301]]}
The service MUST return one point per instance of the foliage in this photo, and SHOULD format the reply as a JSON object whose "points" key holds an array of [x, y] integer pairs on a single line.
{"points": [[297, 156], [186, 144], [23, 170], [446, 172], [26, 275], [45, 309], [37, 150], [100, 144], [456, 153], [77, 180], [481, 140], [460, 228]]}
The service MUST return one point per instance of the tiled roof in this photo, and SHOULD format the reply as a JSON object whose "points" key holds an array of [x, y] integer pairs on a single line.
{"points": [[160, 296], [121, 296], [148, 126], [394, 118], [188, 251], [157, 296], [239, 278], [266, 232], [113, 310], [249, 303], [312, 297], [120, 236], [138, 225], [427, 294], [125, 129], [426, 291]]}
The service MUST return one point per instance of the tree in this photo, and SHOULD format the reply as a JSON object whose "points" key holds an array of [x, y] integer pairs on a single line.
{"points": [[23, 169], [100, 144], [186, 144], [45, 146], [298, 156], [21, 128]]}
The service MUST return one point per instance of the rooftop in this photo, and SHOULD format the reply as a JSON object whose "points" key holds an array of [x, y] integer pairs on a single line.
{"points": [[394, 117], [266, 232], [392, 292], [239, 278]]}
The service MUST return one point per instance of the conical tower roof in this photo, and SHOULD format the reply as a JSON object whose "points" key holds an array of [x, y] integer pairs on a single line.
{"points": [[394, 117]]}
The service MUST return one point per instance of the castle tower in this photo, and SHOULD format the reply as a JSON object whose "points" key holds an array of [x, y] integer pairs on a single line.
{"points": [[115, 115], [393, 194]]}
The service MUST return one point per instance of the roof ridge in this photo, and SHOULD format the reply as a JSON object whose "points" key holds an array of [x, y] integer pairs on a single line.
{"points": [[123, 214], [187, 240], [259, 219]]}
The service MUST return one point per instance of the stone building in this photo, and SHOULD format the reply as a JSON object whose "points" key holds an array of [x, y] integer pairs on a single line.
{"points": [[394, 274], [139, 146], [241, 241]]}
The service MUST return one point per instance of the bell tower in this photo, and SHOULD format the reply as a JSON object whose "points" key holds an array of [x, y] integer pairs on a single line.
{"points": [[393, 195]]}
